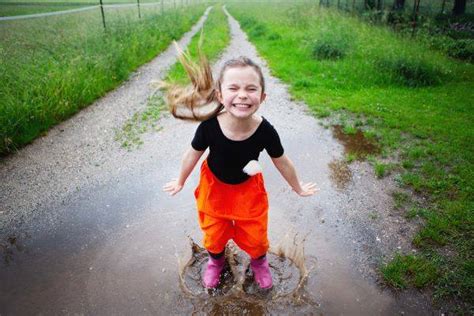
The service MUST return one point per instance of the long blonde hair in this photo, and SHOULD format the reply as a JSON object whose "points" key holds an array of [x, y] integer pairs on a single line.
{"points": [[198, 101]]}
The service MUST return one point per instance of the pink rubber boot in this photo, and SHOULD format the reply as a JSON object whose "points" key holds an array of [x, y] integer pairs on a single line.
{"points": [[213, 272], [261, 272]]}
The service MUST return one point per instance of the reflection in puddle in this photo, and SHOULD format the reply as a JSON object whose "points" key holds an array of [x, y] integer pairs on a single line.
{"points": [[340, 173], [8, 247], [237, 292], [356, 144]]}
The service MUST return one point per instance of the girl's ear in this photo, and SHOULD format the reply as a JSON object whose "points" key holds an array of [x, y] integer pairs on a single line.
{"points": [[264, 96], [219, 96]]}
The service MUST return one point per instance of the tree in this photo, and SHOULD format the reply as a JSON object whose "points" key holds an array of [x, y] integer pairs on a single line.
{"points": [[459, 7], [398, 5], [379, 5]]}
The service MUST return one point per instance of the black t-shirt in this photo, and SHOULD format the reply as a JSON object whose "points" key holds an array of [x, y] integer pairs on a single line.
{"points": [[228, 157]]}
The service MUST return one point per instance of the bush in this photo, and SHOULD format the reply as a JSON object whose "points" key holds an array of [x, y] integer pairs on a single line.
{"points": [[462, 49], [274, 36], [411, 73], [247, 22], [258, 30], [330, 48]]}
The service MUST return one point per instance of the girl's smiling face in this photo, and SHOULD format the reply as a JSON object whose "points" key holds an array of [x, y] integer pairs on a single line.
{"points": [[241, 92]]}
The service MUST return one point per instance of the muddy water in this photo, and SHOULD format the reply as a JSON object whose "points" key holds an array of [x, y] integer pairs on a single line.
{"points": [[356, 144], [123, 247]]}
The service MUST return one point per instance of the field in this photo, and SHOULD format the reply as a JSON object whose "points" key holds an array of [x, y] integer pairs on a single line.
{"points": [[69, 61]]}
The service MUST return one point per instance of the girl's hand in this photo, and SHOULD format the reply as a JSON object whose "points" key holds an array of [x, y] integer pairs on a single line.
{"points": [[307, 189], [172, 187]]}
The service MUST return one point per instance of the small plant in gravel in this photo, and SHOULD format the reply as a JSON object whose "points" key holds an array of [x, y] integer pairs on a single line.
{"points": [[350, 157], [349, 130], [400, 199], [373, 215], [129, 135], [381, 169]]}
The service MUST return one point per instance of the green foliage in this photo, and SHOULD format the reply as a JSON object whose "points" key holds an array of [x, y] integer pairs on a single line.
{"points": [[258, 30], [329, 50], [274, 36], [332, 45], [349, 130], [69, 61], [403, 271], [462, 49], [382, 169], [411, 72]]}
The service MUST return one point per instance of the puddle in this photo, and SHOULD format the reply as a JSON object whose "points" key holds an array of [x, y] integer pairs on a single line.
{"points": [[237, 292], [10, 246], [356, 144], [340, 174]]}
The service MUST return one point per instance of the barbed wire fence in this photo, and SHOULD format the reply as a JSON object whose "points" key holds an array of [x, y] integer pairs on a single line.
{"points": [[174, 3]]}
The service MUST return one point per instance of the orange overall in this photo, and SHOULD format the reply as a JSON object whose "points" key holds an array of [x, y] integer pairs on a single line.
{"points": [[233, 211]]}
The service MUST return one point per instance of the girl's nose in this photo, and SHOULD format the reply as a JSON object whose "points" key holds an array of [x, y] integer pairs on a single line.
{"points": [[242, 94]]}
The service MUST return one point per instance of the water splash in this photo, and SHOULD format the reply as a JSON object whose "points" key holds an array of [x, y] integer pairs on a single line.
{"points": [[237, 292]]}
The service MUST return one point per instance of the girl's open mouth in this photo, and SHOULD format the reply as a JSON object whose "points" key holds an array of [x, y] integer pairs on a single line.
{"points": [[241, 105]]}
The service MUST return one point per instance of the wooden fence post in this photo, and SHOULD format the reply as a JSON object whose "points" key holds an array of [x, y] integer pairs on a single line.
{"points": [[138, 5], [102, 12], [416, 7], [442, 6]]}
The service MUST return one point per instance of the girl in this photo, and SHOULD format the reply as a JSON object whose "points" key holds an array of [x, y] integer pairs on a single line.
{"points": [[231, 198]]}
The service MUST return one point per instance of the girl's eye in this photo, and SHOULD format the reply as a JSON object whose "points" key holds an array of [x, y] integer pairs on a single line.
{"points": [[232, 89]]}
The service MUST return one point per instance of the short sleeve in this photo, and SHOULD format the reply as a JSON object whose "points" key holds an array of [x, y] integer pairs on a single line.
{"points": [[200, 141], [273, 144]]}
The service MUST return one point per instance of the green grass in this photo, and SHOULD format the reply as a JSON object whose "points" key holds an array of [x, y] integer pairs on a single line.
{"points": [[66, 2], [417, 103], [69, 61], [411, 270], [10, 10], [215, 38]]}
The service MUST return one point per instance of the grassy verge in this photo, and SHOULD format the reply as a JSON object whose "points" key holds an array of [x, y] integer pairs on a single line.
{"points": [[216, 38], [17, 9], [415, 102], [69, 61], [11, 8]]}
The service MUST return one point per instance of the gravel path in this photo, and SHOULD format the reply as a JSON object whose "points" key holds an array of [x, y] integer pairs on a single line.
{"points": [[81, 152], [79, 172]]}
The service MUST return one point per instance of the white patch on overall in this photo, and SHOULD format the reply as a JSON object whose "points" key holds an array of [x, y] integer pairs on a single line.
{"points": [[252, 168]]}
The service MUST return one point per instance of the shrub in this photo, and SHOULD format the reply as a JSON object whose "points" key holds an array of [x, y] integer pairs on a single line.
{"points": [[462, 49], [411, 72], [258, 30], [330, 49], [246, 21], [274, 36]]}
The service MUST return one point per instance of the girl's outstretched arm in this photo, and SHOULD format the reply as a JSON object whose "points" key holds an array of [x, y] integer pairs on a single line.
{"points": [[288, 171], [190, 158]]}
